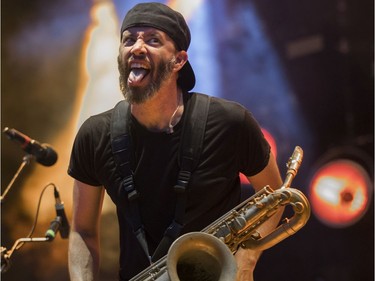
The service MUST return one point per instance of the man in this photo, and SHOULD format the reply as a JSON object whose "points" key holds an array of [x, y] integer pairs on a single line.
{"points": [[155, 77]]}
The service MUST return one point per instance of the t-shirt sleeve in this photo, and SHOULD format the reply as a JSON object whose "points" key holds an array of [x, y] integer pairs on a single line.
{"points": [[81, 165], [255, 150]]}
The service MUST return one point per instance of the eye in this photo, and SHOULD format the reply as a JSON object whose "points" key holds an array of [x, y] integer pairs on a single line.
{"points": [[128, 40], [154, 41]]}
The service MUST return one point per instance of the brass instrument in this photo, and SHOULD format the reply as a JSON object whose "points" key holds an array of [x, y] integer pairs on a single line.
{"points": [[208, 255]]}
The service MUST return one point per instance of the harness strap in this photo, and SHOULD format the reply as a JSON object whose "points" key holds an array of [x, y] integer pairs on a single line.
{"points": [[127, 193], [189, 153]]}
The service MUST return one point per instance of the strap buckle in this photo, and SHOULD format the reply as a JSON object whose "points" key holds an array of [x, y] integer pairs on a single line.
{"points": [[182, 181], [127, 185], [174, 230]]}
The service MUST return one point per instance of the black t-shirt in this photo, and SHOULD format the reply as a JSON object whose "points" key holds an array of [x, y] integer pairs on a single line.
{"points": [[233, 143]]}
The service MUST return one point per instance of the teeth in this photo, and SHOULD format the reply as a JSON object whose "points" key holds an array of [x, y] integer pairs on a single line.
{"points": [[138, 65]]}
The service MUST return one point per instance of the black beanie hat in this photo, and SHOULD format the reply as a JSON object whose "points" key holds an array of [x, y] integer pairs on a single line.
{"points": [[164, 18]]}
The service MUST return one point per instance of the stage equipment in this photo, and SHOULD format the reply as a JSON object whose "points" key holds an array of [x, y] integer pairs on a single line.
{"points": [[46, 156], [60, 213], [208, 255], [341, 188], [59, 224], [43, 153]]}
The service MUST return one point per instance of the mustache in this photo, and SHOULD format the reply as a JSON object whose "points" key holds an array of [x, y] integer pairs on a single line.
{"points": [[139, 58]]}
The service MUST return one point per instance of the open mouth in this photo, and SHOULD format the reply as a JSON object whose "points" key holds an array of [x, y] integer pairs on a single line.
{"points": [[138, 71]]}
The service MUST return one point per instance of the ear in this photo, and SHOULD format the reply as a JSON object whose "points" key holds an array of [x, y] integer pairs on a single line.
{"points": [[181, 59]]}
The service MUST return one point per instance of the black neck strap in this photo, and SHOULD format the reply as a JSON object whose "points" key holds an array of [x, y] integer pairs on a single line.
{"points": [[189, 153]]}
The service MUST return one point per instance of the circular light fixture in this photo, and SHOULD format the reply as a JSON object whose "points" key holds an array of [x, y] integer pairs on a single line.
{"points": [[340, 191]]}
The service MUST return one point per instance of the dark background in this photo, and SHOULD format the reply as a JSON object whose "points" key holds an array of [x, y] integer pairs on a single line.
{"points": [[332, 87]]}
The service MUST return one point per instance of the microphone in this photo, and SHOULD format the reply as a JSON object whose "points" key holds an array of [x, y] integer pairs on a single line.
{"points": [[59, 206], [43, 153], [53, 228]]}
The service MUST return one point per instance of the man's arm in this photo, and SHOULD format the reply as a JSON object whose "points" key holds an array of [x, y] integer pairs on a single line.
{"points": [[246, 258], [84, 237]]}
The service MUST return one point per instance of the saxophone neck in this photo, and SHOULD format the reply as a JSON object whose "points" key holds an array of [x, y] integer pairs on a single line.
{"points": [[293, 165]]}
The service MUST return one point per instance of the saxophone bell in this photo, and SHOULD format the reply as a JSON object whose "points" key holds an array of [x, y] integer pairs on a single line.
{"points": [[200, 256]]}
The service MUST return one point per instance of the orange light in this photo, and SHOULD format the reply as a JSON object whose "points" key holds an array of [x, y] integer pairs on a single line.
{"points": [[271, 140], [340, 193]]}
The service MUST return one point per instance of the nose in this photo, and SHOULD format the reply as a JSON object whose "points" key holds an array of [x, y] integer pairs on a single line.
{"points": [[138, 47]]}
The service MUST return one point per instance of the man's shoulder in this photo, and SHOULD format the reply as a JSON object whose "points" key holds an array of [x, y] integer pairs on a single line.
{"points": [[225, 114], [97, 124], [103, 115], [222, 102], [227, 109], [101, 118]]}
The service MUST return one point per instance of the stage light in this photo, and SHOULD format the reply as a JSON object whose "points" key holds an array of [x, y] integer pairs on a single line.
{"points": [[340, 189], [271, 140]]}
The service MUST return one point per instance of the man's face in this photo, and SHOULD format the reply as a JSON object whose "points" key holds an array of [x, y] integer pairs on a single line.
{"points": [[146, 59]]}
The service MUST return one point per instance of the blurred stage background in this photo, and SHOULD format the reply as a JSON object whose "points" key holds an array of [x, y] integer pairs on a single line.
{"points": [[304, 68]]}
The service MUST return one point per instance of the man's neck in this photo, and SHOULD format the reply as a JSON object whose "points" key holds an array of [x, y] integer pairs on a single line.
{"points": [[162, 111]]}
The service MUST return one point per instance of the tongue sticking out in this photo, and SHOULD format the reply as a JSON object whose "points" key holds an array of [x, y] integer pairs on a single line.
{"points": [[136, 75]]}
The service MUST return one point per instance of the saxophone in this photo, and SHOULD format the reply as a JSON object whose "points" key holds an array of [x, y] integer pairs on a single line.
{"points": [[208, 255]]}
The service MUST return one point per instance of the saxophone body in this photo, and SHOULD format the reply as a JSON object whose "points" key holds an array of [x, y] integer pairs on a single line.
{"points": [[208, 255]]}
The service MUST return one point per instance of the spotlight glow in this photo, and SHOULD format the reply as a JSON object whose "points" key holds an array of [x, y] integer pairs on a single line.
{"points": [[271, 140], [340, 193]]}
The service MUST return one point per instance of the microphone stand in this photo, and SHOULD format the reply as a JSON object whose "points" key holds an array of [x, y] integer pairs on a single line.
{"points": [[26, 160], [5, 255], [49, 236]]}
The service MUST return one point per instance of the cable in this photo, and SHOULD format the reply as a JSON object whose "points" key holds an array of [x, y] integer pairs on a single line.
{"points": [[37, 213]]}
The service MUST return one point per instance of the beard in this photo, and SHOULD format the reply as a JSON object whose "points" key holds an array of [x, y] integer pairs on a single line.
{"points": [[138, 95]]}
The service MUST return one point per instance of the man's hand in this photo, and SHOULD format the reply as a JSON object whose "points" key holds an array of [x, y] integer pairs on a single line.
{"points": [[246, 260]]}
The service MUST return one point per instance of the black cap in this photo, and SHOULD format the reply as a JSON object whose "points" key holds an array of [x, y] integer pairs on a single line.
{"points": [[164, 18]]}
